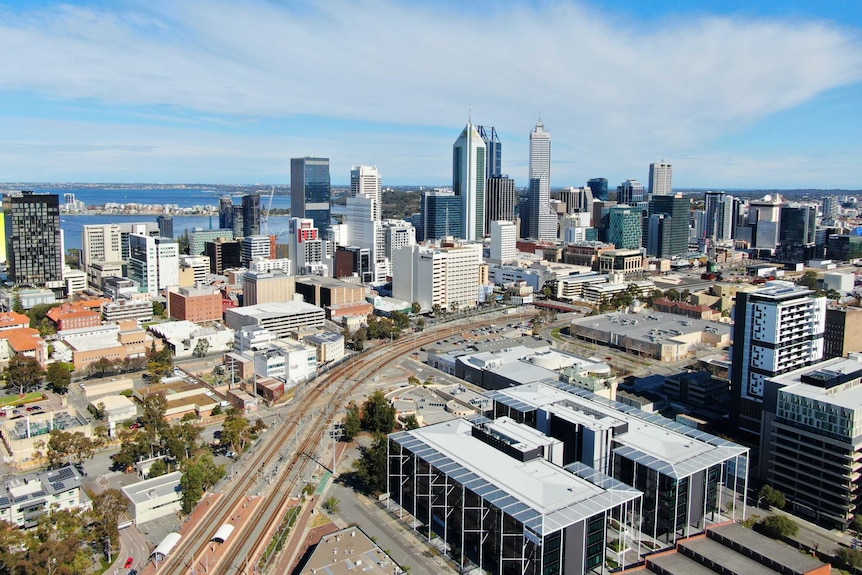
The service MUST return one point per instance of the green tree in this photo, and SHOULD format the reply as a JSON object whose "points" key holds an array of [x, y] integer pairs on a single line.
{"points": [[779, 526], [370, 469], [771, 497], [101, 367], [202, 347], [17, 306], [856, 524], [23, 373], [108, 506], [331, 504], [809, 279], [410, 422], [352, 422], [158, 468], [436, 309], [378, 416], [672, 294], [420, 324], [852, 558], [235, 431], [158, 309], [199, 474], [415, 307], [413, 380], [12, 541], [401, 320], [59, 376]]}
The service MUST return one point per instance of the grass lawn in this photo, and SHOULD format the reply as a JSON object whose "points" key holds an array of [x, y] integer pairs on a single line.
{"points": [[15, 400]]}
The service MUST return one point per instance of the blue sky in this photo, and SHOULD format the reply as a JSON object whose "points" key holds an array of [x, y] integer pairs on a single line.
{"points": [[733, 94]]}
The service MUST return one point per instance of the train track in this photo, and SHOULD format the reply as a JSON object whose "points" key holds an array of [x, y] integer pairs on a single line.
{"points": [[247, 542]]}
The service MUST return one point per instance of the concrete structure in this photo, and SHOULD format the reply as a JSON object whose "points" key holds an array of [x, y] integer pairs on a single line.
{"points": [[500, 200], [34, 244], [842, 332], [184, 336], [573, 287], [437, 276], [719, 216], [664, 337], [223, 254], [155, 498], [305, 247], [196, 304], [839, 281], [116, 409], [287, 360], [679, 470], [499, 504], [183, 398], [625, 261], [776, 329], [660, 179], [704, 312], [26, 498], [76, 280], [93, 390], [198, 239], [20, 436], [327, 292], [541, 221], [137, 306], [346, 551], [630, 192], [468, 181], [23, 341], [624, 227], [193, 270], [281, 318], [267, 287], [154, 263], [329, 346], [504, 236], [71, 316], [115, 341], [366, 181]]}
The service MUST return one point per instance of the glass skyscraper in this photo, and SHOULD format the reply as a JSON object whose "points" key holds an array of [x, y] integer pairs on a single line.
{"points": [[542, 221], [468, 181], [441, 215], [33, 239], [599, 187], [311, 191], [494, 151]]}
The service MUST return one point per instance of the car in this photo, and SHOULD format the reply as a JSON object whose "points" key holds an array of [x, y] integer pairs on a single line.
{"points": [[135, 426], [15, 412], [129, 562], [31, 408], [37, 408], [20, 405], [133, 572]]}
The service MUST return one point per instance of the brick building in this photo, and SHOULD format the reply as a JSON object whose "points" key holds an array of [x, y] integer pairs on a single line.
{"points": [[195, 304]]}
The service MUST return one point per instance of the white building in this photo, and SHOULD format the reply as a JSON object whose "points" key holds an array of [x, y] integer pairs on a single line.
{"points": [[468, 181], [281, 318], [76, 280], [660, 178], [154, 263], [573, 227], [329, 345], [287, 360], [28, 497], [155, 498], [252, 337], [504, 237], [198, 266], [184, 336], [254, 247], [263, 265], [305, 248], [365, 181], [366, 232], [431, 275], [542, 221], [397, 234]]}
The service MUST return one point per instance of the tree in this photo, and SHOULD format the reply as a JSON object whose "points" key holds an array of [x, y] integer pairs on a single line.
{"points": [[436, 309], [420, 323], [158, 468], [331, 504], [158, 309], [378, 416], [12, 540], [65, 446], [856, 524], [809, 279], [779, 526], [413, 380], [672, 294], [23, 373], [352, 422], [101, 367], [410, 422], [771, 497], [199, 474], [851, 558], [415, 307], [400, 319], [235, 431], [108, 506], [370, 469], [59, 376], [202, 347], [17, 306]]}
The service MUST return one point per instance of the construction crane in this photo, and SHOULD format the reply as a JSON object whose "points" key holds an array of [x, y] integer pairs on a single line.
{"points": [[264, 217]]}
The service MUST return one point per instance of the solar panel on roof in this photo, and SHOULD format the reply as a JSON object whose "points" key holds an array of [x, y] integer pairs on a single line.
{"points": [[4, 501]]}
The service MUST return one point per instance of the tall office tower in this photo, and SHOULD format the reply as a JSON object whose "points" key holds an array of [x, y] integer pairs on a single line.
{"points": [[630, 192], [763, 219], [365, 232], [625, 227], [576, 199], [660, 176], [501, 200], [797, 224], [251, 214], [504, 238], [441, 215], [223, 254], [34, 241], [830, 207], [225, 212], [678, 209], [237, 222], [310, 191], [154, 263], [141, 228], [599, 187], [468, 181], [101, 243], [543, 222], [776, 329], [166, 226], [365, 181], [306, 249], [493, 152], [437, 276], [255, 247], [718, 217], [398, 234]]}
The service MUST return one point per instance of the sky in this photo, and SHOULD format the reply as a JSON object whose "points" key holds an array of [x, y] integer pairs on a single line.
{"points": [[734, 94]]}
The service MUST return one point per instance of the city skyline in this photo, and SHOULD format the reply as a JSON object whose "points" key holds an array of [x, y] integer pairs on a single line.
{"points": [[733, 96]]}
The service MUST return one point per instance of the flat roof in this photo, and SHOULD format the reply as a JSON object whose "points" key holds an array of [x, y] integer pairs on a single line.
{"points": [[347, 552], [848, 398], [650, 325], [275, 309], [762, 545], [147, 489], [652, 440], [539, 494]]}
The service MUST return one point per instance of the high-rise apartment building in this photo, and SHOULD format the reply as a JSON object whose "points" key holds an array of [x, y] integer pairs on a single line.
{"points": [[305, 247], [154, 263], [255, 247], [441, 215], [719, 217], [576, 199], [625, 228], [365, 181], [437, 276], [493, 151], [311, 191], [468, 181], [501, 200], [599, 187], [776, 329], [101, 243], [34, 241], [504, 239], [660, 176], [677, 212], [251, 215], [397, 234], [630, 192], [831, 207], [542, 221]]}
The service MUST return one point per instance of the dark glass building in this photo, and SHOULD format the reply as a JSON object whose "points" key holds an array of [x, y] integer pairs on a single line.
{"points": [[311, 191], [33, 242], [225, 212], [493, 154], [599, 186], [677, 211], [798, 225], [251, 214], [501, 199], [441, 215], [166, 226]]}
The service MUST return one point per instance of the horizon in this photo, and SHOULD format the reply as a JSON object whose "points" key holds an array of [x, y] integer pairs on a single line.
{"points": [[733, 95]]}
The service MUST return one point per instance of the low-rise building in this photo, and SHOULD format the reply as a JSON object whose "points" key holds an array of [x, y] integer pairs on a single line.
{"points": [[155, 498], [183, 398], [329, 345], [13, 320], [346, 551], [114, 341], [183, 337], [137, 306], [281, 318], [196, 304], [687, 309], [23, 341], [116, 409], [627, 262], [20, 436], [26, 498], [73, 316]]}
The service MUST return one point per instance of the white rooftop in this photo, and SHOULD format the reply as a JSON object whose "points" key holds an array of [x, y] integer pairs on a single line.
{"points": [[849, 397]]}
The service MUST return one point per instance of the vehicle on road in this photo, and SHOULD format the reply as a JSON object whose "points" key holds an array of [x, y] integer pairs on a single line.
{"points": [[129, 562]]}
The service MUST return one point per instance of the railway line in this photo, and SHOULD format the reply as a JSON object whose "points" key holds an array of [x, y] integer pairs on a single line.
{"points": [[304, 428]]}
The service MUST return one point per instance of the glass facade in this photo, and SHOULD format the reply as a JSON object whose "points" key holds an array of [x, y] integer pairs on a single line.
{"points": [[441, 216], [311, 191], [34, 249]]}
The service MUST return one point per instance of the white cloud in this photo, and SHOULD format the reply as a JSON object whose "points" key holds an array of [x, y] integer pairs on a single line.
{"points": [[614, 95]]}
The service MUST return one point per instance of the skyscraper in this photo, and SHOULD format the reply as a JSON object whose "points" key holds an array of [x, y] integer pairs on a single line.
{"points": [[440, 216], [154, 263], [797, 224], [166, 226], [251, 215], [677, 210], [468, 181], [776, 329], [225, 212], [599, 187], [493, 152], [719, 217], [630, 192], [310, 190], [501, 200], [624, 227], [33, 239], [365, 181], [660, 176], [543, 222]]}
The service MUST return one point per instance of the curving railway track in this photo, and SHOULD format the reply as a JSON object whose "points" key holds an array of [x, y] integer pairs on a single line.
{"points": [[301, 433]]}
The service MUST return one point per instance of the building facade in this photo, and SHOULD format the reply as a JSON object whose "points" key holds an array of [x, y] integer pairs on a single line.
{"points": [[437, 276], [468, 181], [660, 179], [542, 223], [34, 245], [501, 200], [154, 263], [625, 229], [365, 181], [441, 215], [311, 191]]}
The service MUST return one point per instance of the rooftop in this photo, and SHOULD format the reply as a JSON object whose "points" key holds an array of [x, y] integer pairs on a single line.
{"points": [[651, 325], [347, 552], [266, 310], [147, 489], [823, 382], [36, 486]]}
